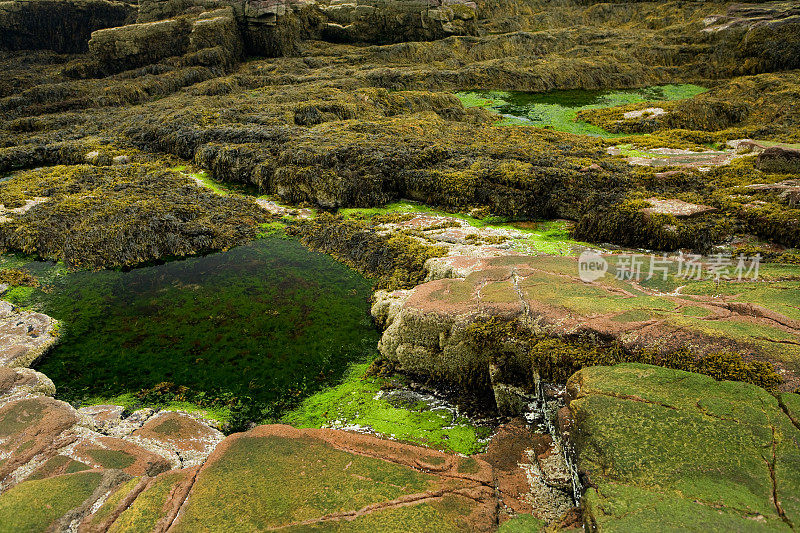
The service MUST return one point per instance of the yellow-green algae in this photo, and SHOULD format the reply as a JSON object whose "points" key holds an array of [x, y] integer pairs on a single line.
{"points": [[559, 109], [35, 505], [357, 402]]}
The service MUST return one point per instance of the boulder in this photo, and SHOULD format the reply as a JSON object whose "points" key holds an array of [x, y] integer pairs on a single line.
{"points": [[779, 160], [434, 330], [661, 448]]}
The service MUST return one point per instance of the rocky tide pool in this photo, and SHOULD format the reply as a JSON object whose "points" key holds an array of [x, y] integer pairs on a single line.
{"points": [[558, 109], [243, 332]]}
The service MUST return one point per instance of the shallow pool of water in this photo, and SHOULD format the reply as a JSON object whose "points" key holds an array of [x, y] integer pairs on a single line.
{"points": [[557, 109], [260, 325]]}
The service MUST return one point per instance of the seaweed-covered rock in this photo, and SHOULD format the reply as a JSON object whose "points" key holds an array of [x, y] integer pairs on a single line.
{"points": [[61, 25], [660, 449], [136, 45], [123, 215], [779, 160]]}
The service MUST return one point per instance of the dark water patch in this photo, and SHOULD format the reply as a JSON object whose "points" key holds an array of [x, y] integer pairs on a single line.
{"points": [[250, 330]]}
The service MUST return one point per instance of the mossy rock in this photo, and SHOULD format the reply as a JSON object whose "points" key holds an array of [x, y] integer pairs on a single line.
{"points": [[670, 449], [36, 505], [276, 476]]}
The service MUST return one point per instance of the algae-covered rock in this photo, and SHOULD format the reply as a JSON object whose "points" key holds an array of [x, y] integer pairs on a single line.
{"points": [[61, 25], [179, 435], [277, 476], [663, 449], [525, 316]]}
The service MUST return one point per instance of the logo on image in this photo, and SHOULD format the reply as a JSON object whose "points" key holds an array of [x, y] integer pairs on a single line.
{"points": [[591, 266]]}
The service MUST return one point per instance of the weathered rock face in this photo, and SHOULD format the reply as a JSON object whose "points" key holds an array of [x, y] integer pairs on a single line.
{"points": [[430, 328], [662, 448], [63, 26], [778, 160]]}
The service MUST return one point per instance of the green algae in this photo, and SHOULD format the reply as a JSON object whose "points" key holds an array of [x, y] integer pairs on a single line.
{"points": [[245, 332], [558, 109], [35, 505], [552, 237], [250, 487], [360, 402]]}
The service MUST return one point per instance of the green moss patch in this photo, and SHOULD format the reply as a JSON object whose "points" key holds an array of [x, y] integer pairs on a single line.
{"points": [[35, 505], [263, 482]]}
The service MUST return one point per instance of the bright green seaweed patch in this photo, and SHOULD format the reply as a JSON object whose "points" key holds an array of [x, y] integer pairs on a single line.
{"points": [[360, 402], [248, 331], [558, 109]]}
